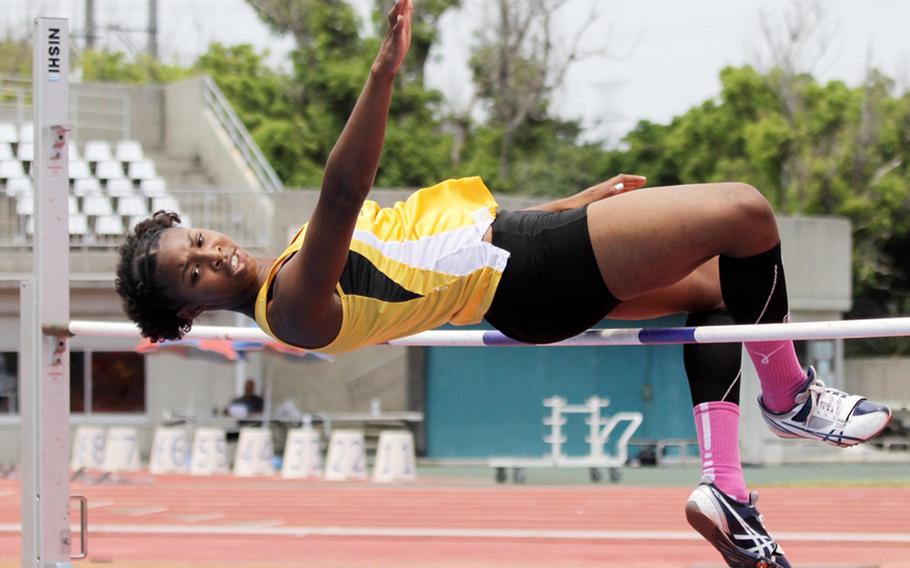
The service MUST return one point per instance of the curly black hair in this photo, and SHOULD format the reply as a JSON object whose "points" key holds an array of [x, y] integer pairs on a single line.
{"points": [[145, 299]]}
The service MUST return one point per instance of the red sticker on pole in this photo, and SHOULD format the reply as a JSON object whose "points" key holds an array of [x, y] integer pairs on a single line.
{"points": [[57, 150]]}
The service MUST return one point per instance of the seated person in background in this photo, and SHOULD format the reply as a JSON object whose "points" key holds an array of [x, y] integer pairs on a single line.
{"points": [[249, 403]]}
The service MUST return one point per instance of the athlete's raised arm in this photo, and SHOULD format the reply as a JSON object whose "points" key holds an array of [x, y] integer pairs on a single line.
{"points": [[305, 310]]}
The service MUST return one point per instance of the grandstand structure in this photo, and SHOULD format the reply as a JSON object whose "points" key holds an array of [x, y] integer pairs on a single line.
{"points": [[133, 150], [127, 159], [180, 146]]}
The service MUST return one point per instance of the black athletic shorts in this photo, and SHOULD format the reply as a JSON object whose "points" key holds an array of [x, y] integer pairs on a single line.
{"points": [[551, 288]]}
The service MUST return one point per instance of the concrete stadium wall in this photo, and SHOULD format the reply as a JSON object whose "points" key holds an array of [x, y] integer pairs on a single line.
{"points": [[192, 131], [817, 254], [883, 379], [347, 382], [108, 111]]}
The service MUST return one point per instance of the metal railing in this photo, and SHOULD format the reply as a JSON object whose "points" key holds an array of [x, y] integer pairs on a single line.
{"points": [[245, 217], [105, 114], [252, 155], [15, 99]]}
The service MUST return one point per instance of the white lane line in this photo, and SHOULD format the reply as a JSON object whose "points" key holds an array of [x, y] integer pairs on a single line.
{"points": [[261, 524], [253, 529]]}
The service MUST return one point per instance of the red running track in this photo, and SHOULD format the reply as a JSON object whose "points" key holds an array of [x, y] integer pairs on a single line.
{"points": [[167, 521]]}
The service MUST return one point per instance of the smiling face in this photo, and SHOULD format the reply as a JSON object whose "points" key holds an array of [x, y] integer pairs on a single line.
{"points": [[206, 270]]}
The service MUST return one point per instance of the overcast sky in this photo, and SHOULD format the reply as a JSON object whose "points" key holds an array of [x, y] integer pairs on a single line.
{"points": [[658, 57]]}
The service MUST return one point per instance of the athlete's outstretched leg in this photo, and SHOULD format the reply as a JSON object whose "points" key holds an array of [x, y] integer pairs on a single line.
{"points": [[649, 240]]}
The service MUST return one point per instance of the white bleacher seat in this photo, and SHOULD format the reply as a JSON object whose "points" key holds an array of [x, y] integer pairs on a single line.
{"points": [[30, 225], [109, 225], [78, 225], [142, 169], [120, 187], [165, 202], [73, 204], [132, 206], [108, 170], [11, 169], [26, 132], [6, 151], [97, 151], [129, 151], [153, 187], [19, 186], [97, 205], [73, 151], [86, 186], [8, 132], [25, 204], [79, 170], [25, 151]]}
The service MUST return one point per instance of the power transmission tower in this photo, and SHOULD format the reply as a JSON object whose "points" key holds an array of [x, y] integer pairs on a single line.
{"points": [[90, 30], [153, 29]]}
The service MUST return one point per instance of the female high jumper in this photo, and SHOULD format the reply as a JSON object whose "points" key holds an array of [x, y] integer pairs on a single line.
{"points": [[357, 274]]}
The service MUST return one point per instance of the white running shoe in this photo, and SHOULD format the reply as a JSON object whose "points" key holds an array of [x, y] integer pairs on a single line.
{"points": [[829, 415]]}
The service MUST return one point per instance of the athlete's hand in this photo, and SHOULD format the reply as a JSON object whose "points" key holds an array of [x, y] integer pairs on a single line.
{"points": [[397, 40], [613, 186]]}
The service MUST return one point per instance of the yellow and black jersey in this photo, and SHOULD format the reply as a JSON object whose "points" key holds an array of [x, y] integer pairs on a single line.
{"points": [[413, 266]]}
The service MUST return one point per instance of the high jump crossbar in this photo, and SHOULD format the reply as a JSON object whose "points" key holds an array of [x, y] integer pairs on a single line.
{"points": [[843, 329]]}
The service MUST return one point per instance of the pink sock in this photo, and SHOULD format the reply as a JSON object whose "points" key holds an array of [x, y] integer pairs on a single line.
{"points": [[779, 371], [717, 425]]}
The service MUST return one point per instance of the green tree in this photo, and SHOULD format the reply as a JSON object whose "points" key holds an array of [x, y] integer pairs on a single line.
{"points": [[264, 101], [15, 57], [424, 30], [331, 61], [116, 67]]}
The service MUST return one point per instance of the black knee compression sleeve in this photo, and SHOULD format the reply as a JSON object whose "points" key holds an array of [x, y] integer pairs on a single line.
{"points": [[713, 368], [753, 288]]}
